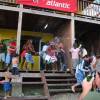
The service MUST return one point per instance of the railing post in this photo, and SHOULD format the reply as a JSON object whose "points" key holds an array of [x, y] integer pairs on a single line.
{"points": [[19, 29]]}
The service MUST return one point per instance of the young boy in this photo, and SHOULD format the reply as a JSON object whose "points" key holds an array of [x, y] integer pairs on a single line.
{"points": [[7, 87], [15, 61]]}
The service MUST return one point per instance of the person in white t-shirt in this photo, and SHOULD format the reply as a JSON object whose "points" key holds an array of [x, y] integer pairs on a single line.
{"points": [[75, 55], [15, 67], [43, 55]]}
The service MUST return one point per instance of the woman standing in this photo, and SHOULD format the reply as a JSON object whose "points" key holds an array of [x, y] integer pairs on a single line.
{"points": [[29, 51]]}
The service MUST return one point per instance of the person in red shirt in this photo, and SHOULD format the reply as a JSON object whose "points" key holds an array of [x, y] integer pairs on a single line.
{"points": [[11, 51], [27, 55], [51, 59]]}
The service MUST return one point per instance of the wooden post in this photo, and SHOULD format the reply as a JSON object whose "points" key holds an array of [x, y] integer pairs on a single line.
{"points": [[72, 30], [68, 39], [19, 29], [72, 38]]}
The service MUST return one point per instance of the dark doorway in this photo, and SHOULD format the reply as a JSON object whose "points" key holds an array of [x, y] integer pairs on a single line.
{"points": [[89, 35]]}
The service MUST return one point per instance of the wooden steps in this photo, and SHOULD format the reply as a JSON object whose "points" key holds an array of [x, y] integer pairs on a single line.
{"points": [[54, 91], [60, 82], [51, 83]]}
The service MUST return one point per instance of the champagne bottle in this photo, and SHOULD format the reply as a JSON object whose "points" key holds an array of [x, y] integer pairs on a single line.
{"points": [[89, 77]]}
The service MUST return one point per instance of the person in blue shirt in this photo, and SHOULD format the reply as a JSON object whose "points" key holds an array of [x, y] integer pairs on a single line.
{"points": [[7, 87], [81, 70]]}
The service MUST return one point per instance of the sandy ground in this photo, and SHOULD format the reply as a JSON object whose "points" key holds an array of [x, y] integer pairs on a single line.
{"points": [[68, 96]]}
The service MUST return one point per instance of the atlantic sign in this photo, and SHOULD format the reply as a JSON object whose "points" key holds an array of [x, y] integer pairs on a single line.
{"points": [[61, 5]]}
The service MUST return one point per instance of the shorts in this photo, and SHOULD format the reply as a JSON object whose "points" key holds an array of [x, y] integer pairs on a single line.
{"points": [[29, 58], [64, 67], [80, 77], [7, 86], [2, 57], [15, 71]]}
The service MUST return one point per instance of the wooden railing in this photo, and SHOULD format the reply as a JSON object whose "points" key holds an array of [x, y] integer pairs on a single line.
{"points": [[88, 8]]}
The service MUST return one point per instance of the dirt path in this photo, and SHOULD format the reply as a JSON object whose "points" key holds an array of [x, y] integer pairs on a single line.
{"points": [[93, 95], [67, 96]]}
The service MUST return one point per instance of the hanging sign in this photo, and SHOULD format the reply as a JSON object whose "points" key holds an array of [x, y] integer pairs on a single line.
{"points": [[61, 5]]}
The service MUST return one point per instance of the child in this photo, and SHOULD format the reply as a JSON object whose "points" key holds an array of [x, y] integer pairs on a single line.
{"points": [[28, 55], [7, 87], [29, 59], [15, 61]]}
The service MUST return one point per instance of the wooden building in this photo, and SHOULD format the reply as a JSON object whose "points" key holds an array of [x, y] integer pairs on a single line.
{"points": [[82, 26]]}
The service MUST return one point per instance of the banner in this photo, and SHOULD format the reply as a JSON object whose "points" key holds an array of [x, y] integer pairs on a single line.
{"points": [[61, 5]]}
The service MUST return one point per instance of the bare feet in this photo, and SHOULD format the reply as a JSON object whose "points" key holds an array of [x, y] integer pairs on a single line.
{"points": [[73, 88]]}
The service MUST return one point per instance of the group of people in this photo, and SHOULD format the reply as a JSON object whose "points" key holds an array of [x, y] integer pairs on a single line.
{"points": [[86, 70], [53, 56], [10, 61], [9, 57]]}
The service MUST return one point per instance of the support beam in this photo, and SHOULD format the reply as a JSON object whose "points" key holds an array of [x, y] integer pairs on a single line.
{"points": [[47, 13], [72, 29], [19, 29], [71, 39], [68, 39], [86, 19], [10, 8]]}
